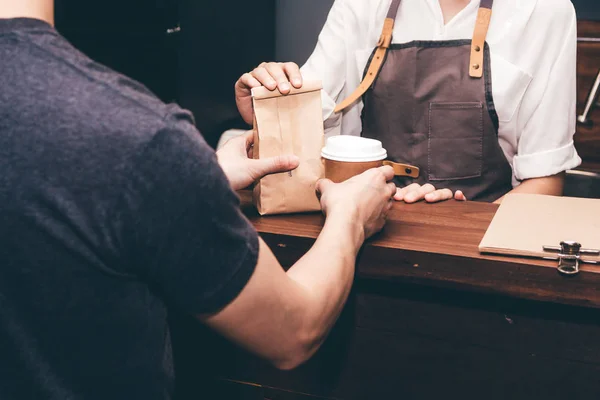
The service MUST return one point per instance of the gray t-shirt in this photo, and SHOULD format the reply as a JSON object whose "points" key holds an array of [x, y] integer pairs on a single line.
{"points": [[112, 210]]}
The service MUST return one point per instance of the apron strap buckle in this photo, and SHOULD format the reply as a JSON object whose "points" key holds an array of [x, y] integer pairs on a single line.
{"points": [[484, 16]]}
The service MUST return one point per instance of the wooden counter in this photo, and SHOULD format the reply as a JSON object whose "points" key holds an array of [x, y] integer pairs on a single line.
{"points": [[437, 244], [428, 317]]}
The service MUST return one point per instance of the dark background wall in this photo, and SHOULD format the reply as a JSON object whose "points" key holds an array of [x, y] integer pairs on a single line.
{"points": [[220, 41], [587, 9], [127, 35], [298, 26]]}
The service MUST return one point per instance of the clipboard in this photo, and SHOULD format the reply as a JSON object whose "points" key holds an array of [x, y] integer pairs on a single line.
{"points": [[565, 229]]}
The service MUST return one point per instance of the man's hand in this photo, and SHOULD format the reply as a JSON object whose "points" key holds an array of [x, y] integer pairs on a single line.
{"points": [[415, 192], [270, 75], [365, 199], [235, 158]]}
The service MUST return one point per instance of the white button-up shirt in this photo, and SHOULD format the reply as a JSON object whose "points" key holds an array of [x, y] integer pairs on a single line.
{"points": [[533, 47]]}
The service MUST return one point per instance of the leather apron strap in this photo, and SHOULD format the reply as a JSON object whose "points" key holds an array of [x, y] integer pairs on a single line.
{"points": [[484, 16], [377, 61], [482, 24]]}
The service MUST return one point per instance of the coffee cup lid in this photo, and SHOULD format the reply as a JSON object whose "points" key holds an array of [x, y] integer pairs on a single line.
{"points": [[347, 148]]}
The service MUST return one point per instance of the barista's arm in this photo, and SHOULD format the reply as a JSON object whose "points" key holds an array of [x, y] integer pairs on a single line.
{"points": [[550, 185], [546, 118]]}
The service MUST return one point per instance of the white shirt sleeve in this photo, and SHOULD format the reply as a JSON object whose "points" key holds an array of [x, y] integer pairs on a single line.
{"points": [[547, 118], [328, 63]]}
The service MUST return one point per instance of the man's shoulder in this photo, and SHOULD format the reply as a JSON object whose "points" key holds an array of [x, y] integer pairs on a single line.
{"points": [[67, 85], [89, 122]]}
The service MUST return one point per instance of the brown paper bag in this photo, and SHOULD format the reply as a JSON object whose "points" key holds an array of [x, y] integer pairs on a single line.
{"points": [[283, 125]]}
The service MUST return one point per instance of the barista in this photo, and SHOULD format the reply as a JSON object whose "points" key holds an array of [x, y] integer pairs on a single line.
{"points": [[480, 95]]}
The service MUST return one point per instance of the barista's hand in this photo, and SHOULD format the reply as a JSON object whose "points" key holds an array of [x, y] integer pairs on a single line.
{"points": [[415, 192], [365, 199], [235, 158], [270, 75]]}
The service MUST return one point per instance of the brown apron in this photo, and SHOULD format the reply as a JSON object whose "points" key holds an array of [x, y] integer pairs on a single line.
{"points": [[430, 103]]}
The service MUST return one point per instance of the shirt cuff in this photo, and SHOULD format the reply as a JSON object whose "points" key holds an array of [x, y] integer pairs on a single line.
{"points": [[546, 163]]}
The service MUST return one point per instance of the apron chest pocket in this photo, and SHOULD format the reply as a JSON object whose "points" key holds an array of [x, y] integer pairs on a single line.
{"points": [[455, 140]]}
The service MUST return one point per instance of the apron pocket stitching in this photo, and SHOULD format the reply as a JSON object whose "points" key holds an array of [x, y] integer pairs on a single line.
{"points": [[443, 163]]}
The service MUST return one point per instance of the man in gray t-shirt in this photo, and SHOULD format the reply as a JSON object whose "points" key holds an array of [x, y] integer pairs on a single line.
{"points": [[113, 209]]}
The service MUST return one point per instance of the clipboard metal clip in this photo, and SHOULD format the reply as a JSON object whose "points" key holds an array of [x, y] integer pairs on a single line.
{"points": [[569, 257]]}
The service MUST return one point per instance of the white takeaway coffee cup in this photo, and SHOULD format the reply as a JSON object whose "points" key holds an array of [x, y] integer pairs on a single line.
{"points": [[346, 156]]}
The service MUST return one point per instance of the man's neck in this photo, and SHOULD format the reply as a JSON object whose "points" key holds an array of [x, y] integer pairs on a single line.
{"points": [[38, 9]]}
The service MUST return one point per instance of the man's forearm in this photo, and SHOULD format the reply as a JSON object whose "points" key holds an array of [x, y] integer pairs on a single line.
{"points": [[327, 273], [285, 316]]}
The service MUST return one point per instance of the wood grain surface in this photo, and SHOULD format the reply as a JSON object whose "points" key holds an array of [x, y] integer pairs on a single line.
{"points": [[436, 244]]}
